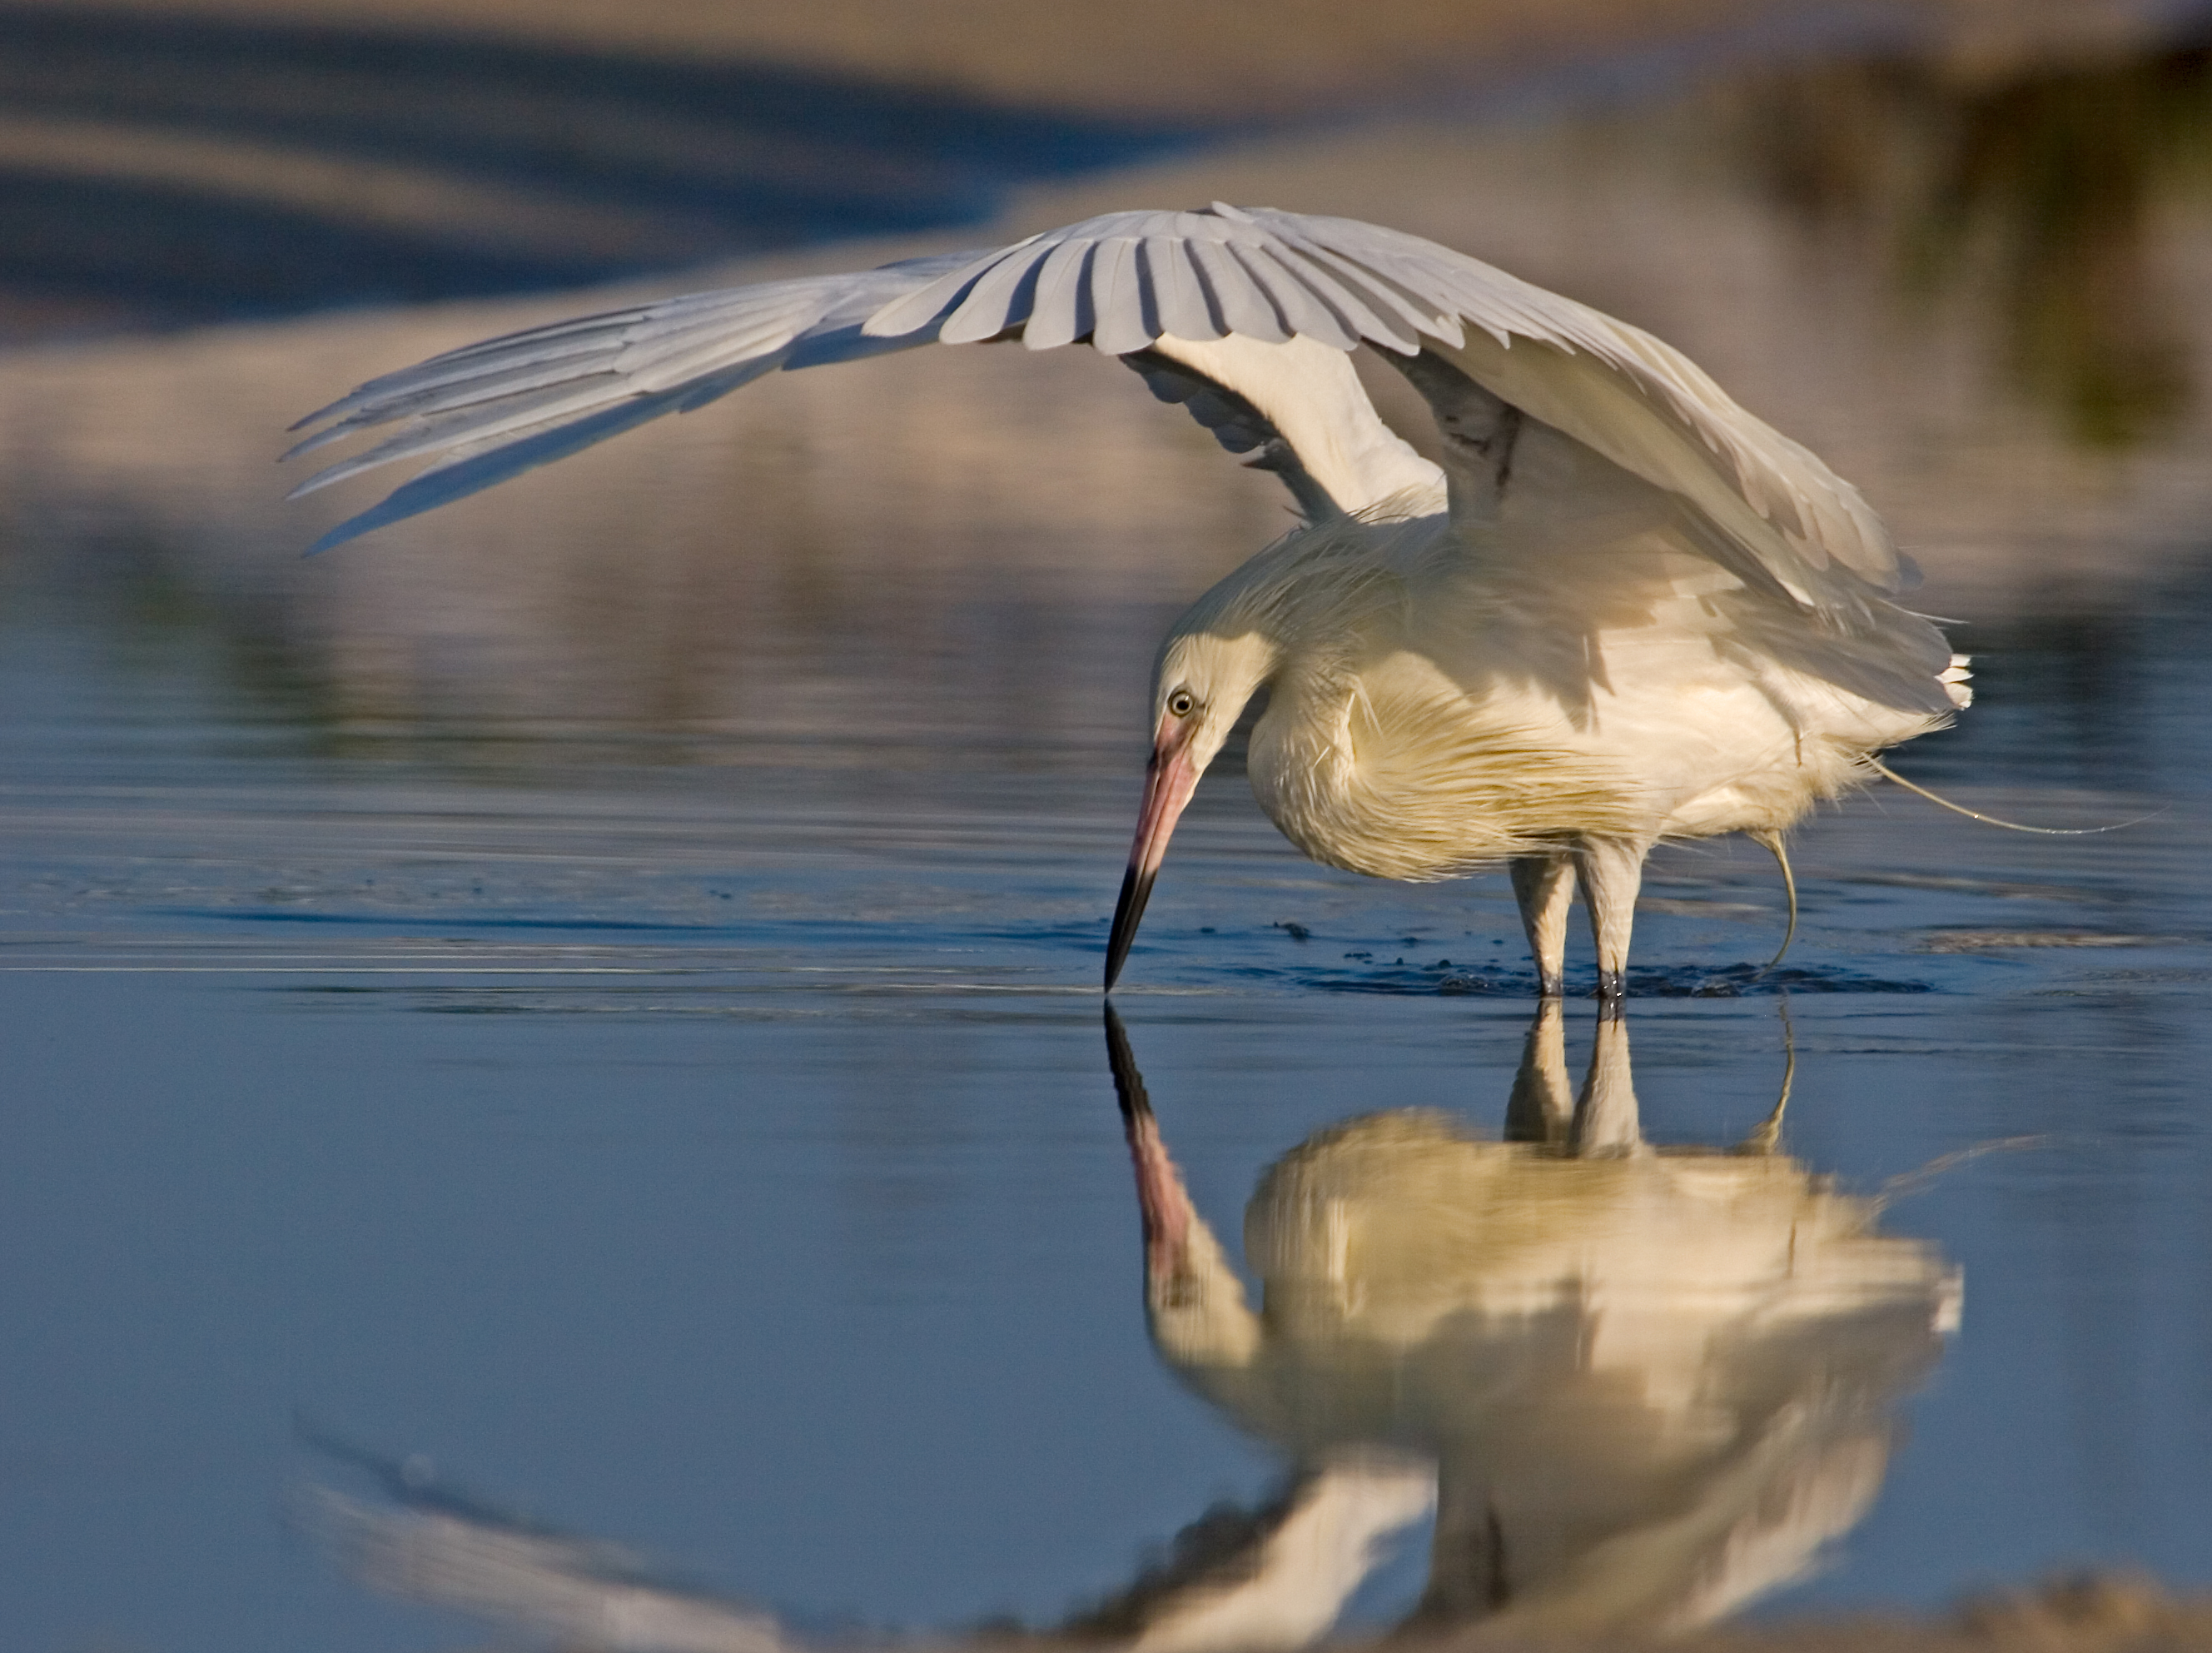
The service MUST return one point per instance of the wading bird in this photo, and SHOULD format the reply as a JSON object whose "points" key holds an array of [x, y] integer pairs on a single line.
{"points": [[1623, 610]]}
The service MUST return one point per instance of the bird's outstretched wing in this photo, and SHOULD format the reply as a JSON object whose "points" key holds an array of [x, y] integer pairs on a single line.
{"points": [[494, 410], [1202, 288], [576, 1592], [428, 1540]]}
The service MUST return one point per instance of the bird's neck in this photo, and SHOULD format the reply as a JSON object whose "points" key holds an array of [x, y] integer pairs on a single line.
{"points": [[1303, 763]]}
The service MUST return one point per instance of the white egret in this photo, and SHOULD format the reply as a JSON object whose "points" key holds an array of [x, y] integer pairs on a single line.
{"points": [[1623, 610]]}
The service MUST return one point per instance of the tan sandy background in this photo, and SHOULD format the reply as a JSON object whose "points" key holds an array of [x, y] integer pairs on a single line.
{"points": [[1182, 57]]}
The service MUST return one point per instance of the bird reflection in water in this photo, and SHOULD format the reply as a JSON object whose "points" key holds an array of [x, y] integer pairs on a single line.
{"points": [[1639, 1386]]}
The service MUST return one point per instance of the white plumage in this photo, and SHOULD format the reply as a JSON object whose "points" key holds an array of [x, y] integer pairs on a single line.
{"points": [[1623, 610]]}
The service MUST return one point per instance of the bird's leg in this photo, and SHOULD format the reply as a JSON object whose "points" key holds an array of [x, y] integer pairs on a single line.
{"points": [[1607, 1119], [1544, 885], [1611, 870], [1541, 1108]]}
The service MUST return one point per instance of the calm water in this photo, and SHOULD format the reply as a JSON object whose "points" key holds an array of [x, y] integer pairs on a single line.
{"points": [[567, 1024]]}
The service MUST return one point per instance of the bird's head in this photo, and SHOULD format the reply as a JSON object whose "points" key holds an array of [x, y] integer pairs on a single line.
{"points": [[1200, 686]]}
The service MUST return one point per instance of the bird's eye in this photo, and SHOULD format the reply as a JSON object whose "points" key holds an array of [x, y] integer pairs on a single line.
{"points": [[1181, 702]]}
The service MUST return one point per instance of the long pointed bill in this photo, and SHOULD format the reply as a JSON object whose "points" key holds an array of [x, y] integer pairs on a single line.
{"points": [[1170, 779]]}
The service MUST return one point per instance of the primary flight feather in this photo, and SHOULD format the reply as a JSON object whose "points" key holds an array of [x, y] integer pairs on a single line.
{"points": [[1622, 610]]}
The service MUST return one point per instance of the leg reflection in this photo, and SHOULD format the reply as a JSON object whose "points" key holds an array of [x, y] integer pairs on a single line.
{"points": [[1541, 1109], [1605, 1119]]}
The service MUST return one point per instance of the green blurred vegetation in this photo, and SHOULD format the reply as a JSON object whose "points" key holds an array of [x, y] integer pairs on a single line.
{"points": [[2040, 185]]}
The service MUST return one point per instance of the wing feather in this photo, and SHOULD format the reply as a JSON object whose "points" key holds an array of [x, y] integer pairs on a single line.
{"points": [[1061, 313], [937, 300], [1642, 404], [394, 395], [432, 433], [474, 467], [1420, 315], [1237, 299], [508, 404], [1175, 288], [465, 392], [584, 345], [1128, 280], [1353, 303], [1117, 297], [1000, 297], [496, 402], [1301, 308]]}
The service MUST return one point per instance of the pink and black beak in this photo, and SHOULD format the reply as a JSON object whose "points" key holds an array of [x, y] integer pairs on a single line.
{"points": [[1170, 779]]}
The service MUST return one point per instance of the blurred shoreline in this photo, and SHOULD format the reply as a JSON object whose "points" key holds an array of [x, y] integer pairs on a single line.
{"points": [[1164, 59], [168, 163]]}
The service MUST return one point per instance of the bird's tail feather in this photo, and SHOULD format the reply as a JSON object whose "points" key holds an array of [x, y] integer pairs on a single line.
{"points": [[1884, 770]]}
